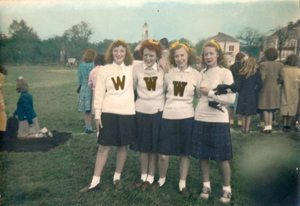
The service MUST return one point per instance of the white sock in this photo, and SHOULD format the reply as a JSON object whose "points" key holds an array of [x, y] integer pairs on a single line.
{"points": [[144, 177], [227, 189], [150, 179], [206, 184], [95, 182], [270, 127], [181, 185], [161, 181], [117, 176], [39, 135]]}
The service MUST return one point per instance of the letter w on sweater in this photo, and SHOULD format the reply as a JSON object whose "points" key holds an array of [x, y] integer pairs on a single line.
{"points": [[150, 83], [179, 88], [119, 83]]}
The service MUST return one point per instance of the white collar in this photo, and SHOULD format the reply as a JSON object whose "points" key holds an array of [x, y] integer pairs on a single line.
{"points": [[122, 66], [189, 69], [154, 66]]}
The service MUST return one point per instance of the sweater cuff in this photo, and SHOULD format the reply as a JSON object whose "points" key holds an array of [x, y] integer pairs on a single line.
{"points": [[210, 93], [98, 113]]}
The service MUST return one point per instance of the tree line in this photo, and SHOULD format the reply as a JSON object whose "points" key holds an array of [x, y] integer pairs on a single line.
{"points": [[23, 45]]}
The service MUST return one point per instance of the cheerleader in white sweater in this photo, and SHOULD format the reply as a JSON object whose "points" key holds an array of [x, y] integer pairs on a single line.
{"points": [[211, 136], [178, 114]]}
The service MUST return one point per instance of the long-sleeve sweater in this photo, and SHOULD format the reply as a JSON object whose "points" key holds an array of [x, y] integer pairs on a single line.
{"points": [[181, 91], [212, 77], [24, 109], [149, 83], [114, 90]]}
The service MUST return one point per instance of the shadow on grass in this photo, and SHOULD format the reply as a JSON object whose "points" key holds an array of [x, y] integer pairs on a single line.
{"points": [[10, 142]]}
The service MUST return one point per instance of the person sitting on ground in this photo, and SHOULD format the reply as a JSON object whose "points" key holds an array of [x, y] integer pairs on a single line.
{"points": [[29, 127]]}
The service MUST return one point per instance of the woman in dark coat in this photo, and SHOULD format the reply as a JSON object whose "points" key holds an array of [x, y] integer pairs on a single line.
{"points": [[249, 84]]}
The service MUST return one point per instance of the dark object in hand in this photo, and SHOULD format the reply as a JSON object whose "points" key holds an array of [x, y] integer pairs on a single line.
{"points": [[215, 105], [78, 89], [222, 89]]}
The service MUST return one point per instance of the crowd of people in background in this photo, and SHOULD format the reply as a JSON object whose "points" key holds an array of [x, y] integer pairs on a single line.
{"points": [[166, 102]]}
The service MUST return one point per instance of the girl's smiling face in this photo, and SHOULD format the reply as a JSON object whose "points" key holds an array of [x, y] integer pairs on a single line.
{"points": [[119, 54], [210, 57], [181, 58], [149, 57]]}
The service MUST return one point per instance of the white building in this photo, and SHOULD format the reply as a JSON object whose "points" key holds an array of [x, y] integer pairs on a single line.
{"points": [[229, 45], [145, 36]]}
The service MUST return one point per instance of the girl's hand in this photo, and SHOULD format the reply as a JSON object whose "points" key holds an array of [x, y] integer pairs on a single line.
{"points": [[2, 105], [164, 64], [204, 91], [99, 123]]}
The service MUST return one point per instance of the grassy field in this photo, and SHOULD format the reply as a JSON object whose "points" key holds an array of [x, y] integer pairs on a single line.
{"points": [[264, 168]]}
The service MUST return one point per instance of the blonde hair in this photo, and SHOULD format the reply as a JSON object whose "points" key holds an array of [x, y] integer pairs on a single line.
{"points": [[192, 53], [222, 60], [109, 56], [249, 67]]}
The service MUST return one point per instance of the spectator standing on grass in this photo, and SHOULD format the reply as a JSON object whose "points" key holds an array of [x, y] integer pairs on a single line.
{"points": [[164, 43], [148, 80], [289, 77], [2, 103], [99, 62], [235, 68], [85, 93], [178, 115], [114, 110], [198, 64], [269, 95], [248, 86], [29, 127], [211, 136]]}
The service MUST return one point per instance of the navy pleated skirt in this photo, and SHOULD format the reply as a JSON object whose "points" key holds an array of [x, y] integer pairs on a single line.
{"points": [[118, 130], [212, 141], [148, 128], [175, 137]]}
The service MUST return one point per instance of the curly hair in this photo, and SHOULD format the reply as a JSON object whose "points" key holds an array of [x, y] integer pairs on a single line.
{"points": [[292, 60], [3, 70], [21, 84], [89, 55], [109, 56], [249, 67], [151, 46], [99, 60], [192, 53], [271, 54], [222, 60]]}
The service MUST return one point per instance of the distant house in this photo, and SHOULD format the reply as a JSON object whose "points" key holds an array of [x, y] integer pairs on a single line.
{"points": [[229, 45], [291, 45]]}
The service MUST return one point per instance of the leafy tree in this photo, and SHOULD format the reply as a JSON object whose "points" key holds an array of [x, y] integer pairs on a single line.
{"points": [[199, 46], [188, 42], [251, 39]]}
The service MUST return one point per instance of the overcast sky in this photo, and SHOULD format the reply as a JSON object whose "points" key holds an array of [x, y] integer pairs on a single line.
{"points": [[124, 19]]}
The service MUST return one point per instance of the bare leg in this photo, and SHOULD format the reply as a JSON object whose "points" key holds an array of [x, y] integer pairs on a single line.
{"points": [[184, 167], [248, 121], [266, 117], [101, 158], [239, 117], [144, 161], [163, 164], [152, 164], [30, 136], [231, 113], [225, 171], [243, 122], [121, 158], [270, 120], [204, 163]]}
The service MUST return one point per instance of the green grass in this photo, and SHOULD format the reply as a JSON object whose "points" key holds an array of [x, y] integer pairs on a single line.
{"points": [[55, 177]]}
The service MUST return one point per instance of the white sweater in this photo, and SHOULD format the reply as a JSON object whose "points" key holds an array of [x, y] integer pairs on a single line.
{"points": [[181, 90], [149, 86], [211, 79], [114, 90]]}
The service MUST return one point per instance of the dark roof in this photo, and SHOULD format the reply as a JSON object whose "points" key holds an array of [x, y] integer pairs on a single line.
{"points": [[145, 24], [221, 37]]}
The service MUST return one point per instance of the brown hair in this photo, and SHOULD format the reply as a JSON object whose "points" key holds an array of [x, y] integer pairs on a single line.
{"points": [[271, 54], [21, 84], [292, 60], [249, 67], [222, 60], [88, 56], [109, 56], [151, 46], [3, 70], [192, 53], [99, 60]]}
